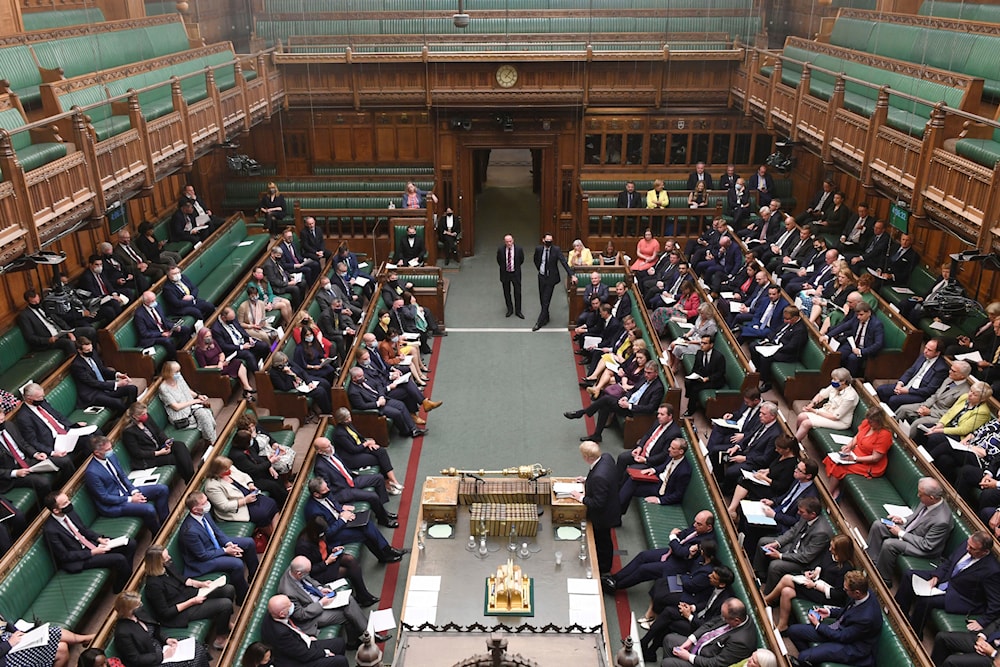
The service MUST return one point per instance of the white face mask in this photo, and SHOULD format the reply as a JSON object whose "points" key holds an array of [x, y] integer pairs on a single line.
{"points": [[206, 508], [98, 270], [291, 609], [176, 278], [308, 339]]}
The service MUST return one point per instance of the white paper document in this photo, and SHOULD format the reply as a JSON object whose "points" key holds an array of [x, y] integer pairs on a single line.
{"points": [[923, 588], [753, 511], [65, 442], [590, 342], [902, 511], [44, 466], [735, 306], [400, 381], [575, 586], [685, 325], [727, 295], [80, 431], [841, 459], [381, 620], [422, 599], [361, 281], [416, 616], [725, 423], [116, 542], [971, 357], [423, 582], [336, 600], [767, 350], [33, 638], [215, 583], [841, 439], [747, 475], [693, 376], [247, 242], [903, 290], [940, 326], [183, 651], [564, 489], [411, 336], [414, 262], [958, 446]]}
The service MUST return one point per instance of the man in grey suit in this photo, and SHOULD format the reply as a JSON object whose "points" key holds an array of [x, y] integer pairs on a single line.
{"points": [[929, 411], [721, 642], [309, 613], [922, 534], [795, 549]]}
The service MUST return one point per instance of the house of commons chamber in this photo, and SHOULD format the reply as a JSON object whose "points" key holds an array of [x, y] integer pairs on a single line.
{"points": [[275, 389]]}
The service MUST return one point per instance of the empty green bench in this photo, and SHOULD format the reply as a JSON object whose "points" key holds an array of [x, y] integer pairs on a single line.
{"points": [[19, 364], [29, 154]]}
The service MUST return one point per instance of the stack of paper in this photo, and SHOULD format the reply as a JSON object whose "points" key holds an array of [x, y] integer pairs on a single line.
{"points": [[753, 511], [584, 602]]}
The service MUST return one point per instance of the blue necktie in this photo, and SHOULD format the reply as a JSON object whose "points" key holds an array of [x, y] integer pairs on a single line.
{"points": [[311, 590], [211, 533]]}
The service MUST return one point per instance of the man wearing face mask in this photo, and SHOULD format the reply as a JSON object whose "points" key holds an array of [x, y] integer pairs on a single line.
{"points": [[548, 257], [232, 337], [92, 280], [340, 286], [154, 328], [44, 331], [207, 549], [370, 394], [291, 646], [740, 204], [75, 547], [38, 424], [337, 325], [411, 249], [181, 296], [115, 495], [294, 261], [376, 369], [280, 280], [97, 384], [286, 376], [449, 232], [392, 289], [267, 295], [184, 225], [15, 461]]}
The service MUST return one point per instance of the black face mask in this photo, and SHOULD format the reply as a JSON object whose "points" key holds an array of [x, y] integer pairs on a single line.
{"points": [[67, 509], [412, 236], [87, 354], [547, 243]]}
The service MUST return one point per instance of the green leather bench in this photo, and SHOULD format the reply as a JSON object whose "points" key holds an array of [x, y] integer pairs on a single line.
{"points": [[65, 399], [374, 171], [18, 69], [102, 118], [61, 18], [217, 267], [19, 364], [30, 155], [981, 151], [243, 194], [808, 370], [161, 231], [167, 474], [987, 13], [346, 202], [109, 526], [399, 234]]}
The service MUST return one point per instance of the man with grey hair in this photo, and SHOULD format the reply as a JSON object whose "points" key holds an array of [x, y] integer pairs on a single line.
{"points": [[722, 641], [756, 451], [312, 600], [930, 410], [922, 534]]}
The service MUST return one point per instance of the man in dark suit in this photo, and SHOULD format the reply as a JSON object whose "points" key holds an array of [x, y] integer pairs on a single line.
{"points": [[293, 260], [12, 527], [134, 261], [115, 495], [791, 339], [756, 451], [873, 249], [207, 549], [184, 226], [922, 534], [358, 451], [309, 614], [820, 203], [856, 228], [643, 399], [796, 549], [763, 183], [699, 175], [376, 371], [728, 180], [835, 219], [718, 643], [293, 647], [510, 257], [784, 508], [969, 580], [15, 460], [188, 194], [767, 317], [609, 329], [118, 275], [97, 384], [708, 241], [676, 557], [279, 279], [312, 242], [673, 475], [548, 257], [348, 487], [868, 336], [967, 648], [920, 380], [411, 247], [44, 331], [75, 547], [181, 296], [739, 424], [710, 367], [627, 198], [594, 288], [651, 449], [794, 252], [725, 263], [232, 337], [623, 302], [449, 232], [600, 496], [100, 287], [852, 636], [900, 262], [365, 393], [739, 203], [154, 328], [38, 424], [335, 517]]}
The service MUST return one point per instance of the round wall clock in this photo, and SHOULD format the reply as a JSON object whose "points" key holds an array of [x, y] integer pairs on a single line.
{"points": [[506, 76]]}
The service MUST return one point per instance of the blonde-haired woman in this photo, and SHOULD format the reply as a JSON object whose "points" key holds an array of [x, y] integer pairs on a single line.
{"points": [[580, 255], [184, 407], [139, 641], [272, 208], [234, 496], [833, 407]]}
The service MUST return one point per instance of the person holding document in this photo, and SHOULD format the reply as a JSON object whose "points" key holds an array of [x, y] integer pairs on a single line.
{"points": [[140, 643], [775, 479], [206, 549], [53, 650], [16, 465], [967, 582], [664, 484], [823, 584], [209, 355], [175, 601], [866, 454], [967, 414], [832, 407], [785, 344], [40, 426], [351, 488], [708, 372], [149, 447], [234, 496]]}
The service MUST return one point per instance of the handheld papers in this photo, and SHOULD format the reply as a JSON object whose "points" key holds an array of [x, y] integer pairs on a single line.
{"points": [[753, 512], [923, 588]]}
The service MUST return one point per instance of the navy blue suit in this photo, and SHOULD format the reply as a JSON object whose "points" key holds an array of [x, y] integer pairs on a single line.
{"points": [[601, 500], [851, 637], [222, 333], [974, 591], [674, 493], [111, 494], [203, 555], [348, 492], [758, 328], [872, 344], [650, 564], [174, 293], [150, 333], [337, 532], [929, 383]]}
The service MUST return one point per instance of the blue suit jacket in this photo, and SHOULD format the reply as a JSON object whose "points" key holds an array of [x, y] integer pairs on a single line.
{"points": [[145, 325], [174, 296], [761, 329], [932, 378], [678, 482], [858, 631], [103, 487], [874, 335], [973, 591], [199, 552]]}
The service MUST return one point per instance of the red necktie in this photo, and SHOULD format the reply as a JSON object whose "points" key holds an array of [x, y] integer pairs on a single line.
{"points": [[652, 439], [291, 251], [56, 426], [510, 260], [100, 283], [13, 451], [156, 317], [342, 470]]}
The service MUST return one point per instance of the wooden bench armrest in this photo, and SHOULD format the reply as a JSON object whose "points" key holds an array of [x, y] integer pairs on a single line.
{"points": [[975, 130]]}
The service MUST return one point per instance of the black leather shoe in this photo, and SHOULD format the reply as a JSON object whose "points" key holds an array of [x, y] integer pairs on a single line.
{"points": [[391, 523], [688, 414], [392, 555], [392, 515], [536, 327], [573, 415], [368, 601], [765, 387], [521, 315], [582, 362], [382, 637], [594, 438], [509, 313], [579, 353], [586, 382], [608, 584], [418, 432]]}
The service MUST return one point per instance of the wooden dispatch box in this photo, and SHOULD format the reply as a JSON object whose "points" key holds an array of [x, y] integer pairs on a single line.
{"points": [[566, 510], [439, 500]]}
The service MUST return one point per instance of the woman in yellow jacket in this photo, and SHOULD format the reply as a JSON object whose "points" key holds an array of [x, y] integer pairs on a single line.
{"points": [[967, 414]]}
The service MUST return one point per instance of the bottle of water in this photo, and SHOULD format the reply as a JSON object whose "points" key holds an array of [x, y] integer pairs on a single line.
{"points": [[482, 547], [583, 552]]}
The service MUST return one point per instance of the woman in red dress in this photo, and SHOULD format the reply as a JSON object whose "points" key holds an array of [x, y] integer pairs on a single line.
{"points": [[866, 451]]}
